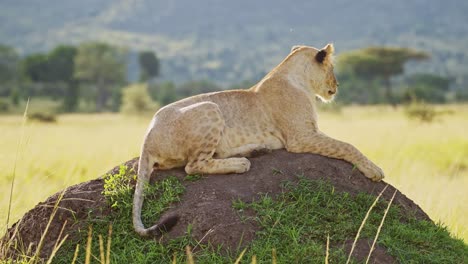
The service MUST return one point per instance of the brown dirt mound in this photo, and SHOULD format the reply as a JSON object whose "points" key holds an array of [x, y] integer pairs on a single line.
{"points": [[207, 203]]}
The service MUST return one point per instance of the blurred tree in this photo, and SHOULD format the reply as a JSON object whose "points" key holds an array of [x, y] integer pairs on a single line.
{"points": [[103, 65], [357, 90], [116, 98], [8, 64], [9, 61], [61, 63], [136, 100], [427, 87], [15, 96], [149, 65], [36, 77], [379, 62], [35, 68], [196, 87], [52, 75], [61, 69], [165, 92]]}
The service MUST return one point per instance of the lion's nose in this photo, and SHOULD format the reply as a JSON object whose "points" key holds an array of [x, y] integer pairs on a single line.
{"points": [[331, 92]]}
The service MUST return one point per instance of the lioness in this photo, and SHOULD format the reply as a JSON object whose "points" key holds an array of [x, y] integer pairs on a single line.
{"points": [[205, 132]]}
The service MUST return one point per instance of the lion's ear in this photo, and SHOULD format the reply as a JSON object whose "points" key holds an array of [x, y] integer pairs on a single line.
{"points": [[325, 54], [295, 48], [329, 48]]}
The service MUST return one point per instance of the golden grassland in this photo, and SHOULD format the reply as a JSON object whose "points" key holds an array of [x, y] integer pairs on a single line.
{"points": [[427, 162]]}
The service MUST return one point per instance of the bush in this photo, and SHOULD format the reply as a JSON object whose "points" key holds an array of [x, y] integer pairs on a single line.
{"points": [[136, 100], [424, 112], [4, 105], [44, 117]]}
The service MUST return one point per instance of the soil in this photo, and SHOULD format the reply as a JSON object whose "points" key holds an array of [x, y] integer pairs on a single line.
{"points": [[207, 202]]}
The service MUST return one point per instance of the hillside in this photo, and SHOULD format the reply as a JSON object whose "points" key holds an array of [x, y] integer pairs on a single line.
{"points": [[289, 202], [231, 41]]}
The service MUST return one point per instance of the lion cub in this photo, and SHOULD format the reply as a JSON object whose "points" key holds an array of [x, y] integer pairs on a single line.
{"points": [[205, 132]]}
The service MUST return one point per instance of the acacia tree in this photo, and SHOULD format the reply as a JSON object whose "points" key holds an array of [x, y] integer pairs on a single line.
{"points": [[56, 70], [149, 65], [62, 68], [102, 65], [8, 70], [427, 87], [34, 67], [379, 63], [8, 63]]}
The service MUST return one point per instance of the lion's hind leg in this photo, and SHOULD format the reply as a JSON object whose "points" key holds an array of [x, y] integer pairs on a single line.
{"points": [[203, 138]]}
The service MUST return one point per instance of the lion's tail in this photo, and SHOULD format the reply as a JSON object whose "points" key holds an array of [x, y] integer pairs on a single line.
{"points": [[145, 166]]}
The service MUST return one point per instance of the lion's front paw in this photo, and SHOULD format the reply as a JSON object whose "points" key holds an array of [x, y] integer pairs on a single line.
{"points": [[372, 171]]}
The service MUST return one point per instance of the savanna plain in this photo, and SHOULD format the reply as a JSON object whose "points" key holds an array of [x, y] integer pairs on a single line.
{"points": [[428, 162]]}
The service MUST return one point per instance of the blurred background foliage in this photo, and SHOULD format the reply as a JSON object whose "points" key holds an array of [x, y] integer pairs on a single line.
{"points": [[82, 55]]}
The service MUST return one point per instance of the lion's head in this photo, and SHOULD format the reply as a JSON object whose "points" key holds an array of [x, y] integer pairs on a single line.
{"points": [[319, 70]]}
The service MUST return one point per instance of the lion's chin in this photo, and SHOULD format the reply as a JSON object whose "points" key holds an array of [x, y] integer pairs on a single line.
{"points": [[326, 99]]}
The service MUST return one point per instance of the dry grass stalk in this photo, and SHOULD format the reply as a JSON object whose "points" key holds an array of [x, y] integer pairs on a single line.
{"points": [[240, 256], [10, 200], [88, 245], [364, 222], [327, 249], [58, 243], [206, 234], [380, 226], [52, 215], [101, 250], [188, 251], [75, 256], [56, 248], [109, 241], [273, 256], [60, 234]]}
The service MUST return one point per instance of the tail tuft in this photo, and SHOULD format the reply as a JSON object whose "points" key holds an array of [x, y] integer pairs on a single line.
{"points": [[164, 225]]}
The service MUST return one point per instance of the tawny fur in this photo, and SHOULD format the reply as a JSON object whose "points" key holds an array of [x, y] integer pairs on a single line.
{"points": [[205, 132]]}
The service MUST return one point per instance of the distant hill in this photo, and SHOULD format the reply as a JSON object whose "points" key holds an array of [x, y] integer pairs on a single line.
{"points": [[231, 41]]}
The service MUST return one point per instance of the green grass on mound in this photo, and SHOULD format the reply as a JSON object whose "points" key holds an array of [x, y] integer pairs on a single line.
{"points": [[295, 223]]}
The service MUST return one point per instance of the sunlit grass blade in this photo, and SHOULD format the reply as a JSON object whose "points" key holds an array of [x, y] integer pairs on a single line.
{"points": [[44, 235], [327, 252], [58, 243], [188, 251], [364, 222], [6, 245], [88, 245], [101, 250], [109, 241], [12, 186], [204, 236], [75, 256], [60, 234], [240, 256], [56, 248], [380, 226], [273, 256]]}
